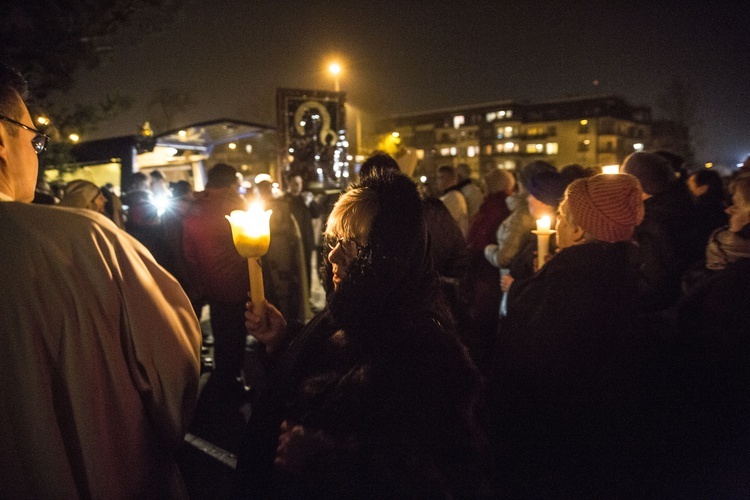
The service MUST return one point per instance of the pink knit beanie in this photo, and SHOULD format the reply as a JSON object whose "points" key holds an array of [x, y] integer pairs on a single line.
{"points": [[607, 206]]}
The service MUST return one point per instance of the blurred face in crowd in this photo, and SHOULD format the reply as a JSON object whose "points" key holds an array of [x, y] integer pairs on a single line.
{"points": [[20, 157], [539, 209], [295, 185], [446, 180], [99, 202], [739, 212], [568, 234], [695, 188]]}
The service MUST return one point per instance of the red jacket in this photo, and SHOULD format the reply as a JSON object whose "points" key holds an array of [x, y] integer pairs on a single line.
{"points": [[217, 270]]}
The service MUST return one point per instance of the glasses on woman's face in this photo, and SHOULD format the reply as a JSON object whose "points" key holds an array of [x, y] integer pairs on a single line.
{"points": [[349, 246], [39, 141]]}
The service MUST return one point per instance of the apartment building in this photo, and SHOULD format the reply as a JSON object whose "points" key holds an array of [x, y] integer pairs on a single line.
{"points": [[590, 131]]}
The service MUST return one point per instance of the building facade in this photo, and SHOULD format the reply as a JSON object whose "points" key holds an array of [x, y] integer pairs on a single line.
{"points": [[589, 131]]}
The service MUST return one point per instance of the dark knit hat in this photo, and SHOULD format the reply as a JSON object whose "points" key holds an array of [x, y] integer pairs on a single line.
{"points": [[547, 187], [533, 168], [607, 206], [653, 171], [221, 176]]}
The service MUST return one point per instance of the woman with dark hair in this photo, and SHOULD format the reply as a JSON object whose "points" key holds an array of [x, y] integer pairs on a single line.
{"points": [[375, 397]]}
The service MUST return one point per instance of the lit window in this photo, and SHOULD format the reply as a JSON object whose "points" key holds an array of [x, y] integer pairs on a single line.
{"points": [[453, 151], [499, 148], [501, 114], [508, 131], [508, 147], [552, 148], [584, 122], [638, 146], [470, 152], [587, 142], [491, 117], [488, 149], [445, 151], [458, 121], [509, 113], [531, 148], [420, 154]]}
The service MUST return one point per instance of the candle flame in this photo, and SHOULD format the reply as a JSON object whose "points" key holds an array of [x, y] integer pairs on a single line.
{"points": [[544, 223], [250, 230]]}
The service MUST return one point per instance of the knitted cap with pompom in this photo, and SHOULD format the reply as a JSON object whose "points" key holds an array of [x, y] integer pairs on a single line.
{"points": [[606, 206]]}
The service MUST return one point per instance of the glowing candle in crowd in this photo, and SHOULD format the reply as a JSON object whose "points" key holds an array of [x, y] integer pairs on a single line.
{"points": [[543, 232], [252, 235], [544, 223]]}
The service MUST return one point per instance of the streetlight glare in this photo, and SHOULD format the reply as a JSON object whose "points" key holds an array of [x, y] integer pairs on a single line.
{"points": [[334, 68]]}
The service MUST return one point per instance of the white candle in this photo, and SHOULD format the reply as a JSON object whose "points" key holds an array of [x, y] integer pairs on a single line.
{"points": [[543, 232]]}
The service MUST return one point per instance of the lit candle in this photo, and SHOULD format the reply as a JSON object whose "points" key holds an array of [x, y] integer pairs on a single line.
{"points": [[252, 235], [544, 223], [543, 232]]}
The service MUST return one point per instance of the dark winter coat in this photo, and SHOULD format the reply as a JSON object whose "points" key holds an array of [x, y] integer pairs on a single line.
{"points": [[709, 392], [564, 388], [670, 242], [483, 281]]}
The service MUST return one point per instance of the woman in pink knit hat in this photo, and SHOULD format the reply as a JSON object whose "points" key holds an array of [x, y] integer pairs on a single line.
{"points": [[562, 396]]}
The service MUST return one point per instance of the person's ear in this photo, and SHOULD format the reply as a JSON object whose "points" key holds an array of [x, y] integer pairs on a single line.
{"points": [[3, 145], [579, 235]]}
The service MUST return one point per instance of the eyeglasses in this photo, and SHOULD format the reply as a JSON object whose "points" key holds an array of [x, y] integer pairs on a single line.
{"points": [[349, 247], [39, 141]]}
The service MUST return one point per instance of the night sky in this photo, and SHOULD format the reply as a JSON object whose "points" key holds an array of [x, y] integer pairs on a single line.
{"points": [[400, 57]]}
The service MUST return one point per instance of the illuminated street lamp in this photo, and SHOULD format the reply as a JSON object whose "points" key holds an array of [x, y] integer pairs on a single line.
{"points": [[42, 120], [335, 70]]}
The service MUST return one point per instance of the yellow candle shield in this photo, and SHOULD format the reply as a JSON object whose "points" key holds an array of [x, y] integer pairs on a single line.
{"points": [[250, 231]]}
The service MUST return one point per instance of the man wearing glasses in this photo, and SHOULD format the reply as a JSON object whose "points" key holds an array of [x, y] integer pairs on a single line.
{"points": [[100, 357]]}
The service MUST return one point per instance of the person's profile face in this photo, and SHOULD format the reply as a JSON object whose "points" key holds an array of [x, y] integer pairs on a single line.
{"points": [[295, 185], [99, 202], [695, 188], [567, 234], [739, 212], [444, 180], [21, 155], [539, 209]]}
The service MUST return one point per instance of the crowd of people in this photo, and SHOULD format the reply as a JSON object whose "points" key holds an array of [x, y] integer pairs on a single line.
{"points": [[453, 358]]}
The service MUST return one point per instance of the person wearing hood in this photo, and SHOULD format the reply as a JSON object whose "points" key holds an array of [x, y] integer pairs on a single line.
{"points": [[375, 396]]}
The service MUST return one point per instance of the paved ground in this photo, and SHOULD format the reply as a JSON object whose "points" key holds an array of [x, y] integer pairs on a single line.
{"points": [[208, 456]]}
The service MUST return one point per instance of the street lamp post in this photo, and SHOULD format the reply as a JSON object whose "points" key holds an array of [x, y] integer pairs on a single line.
{"points": [[335, 70]]}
